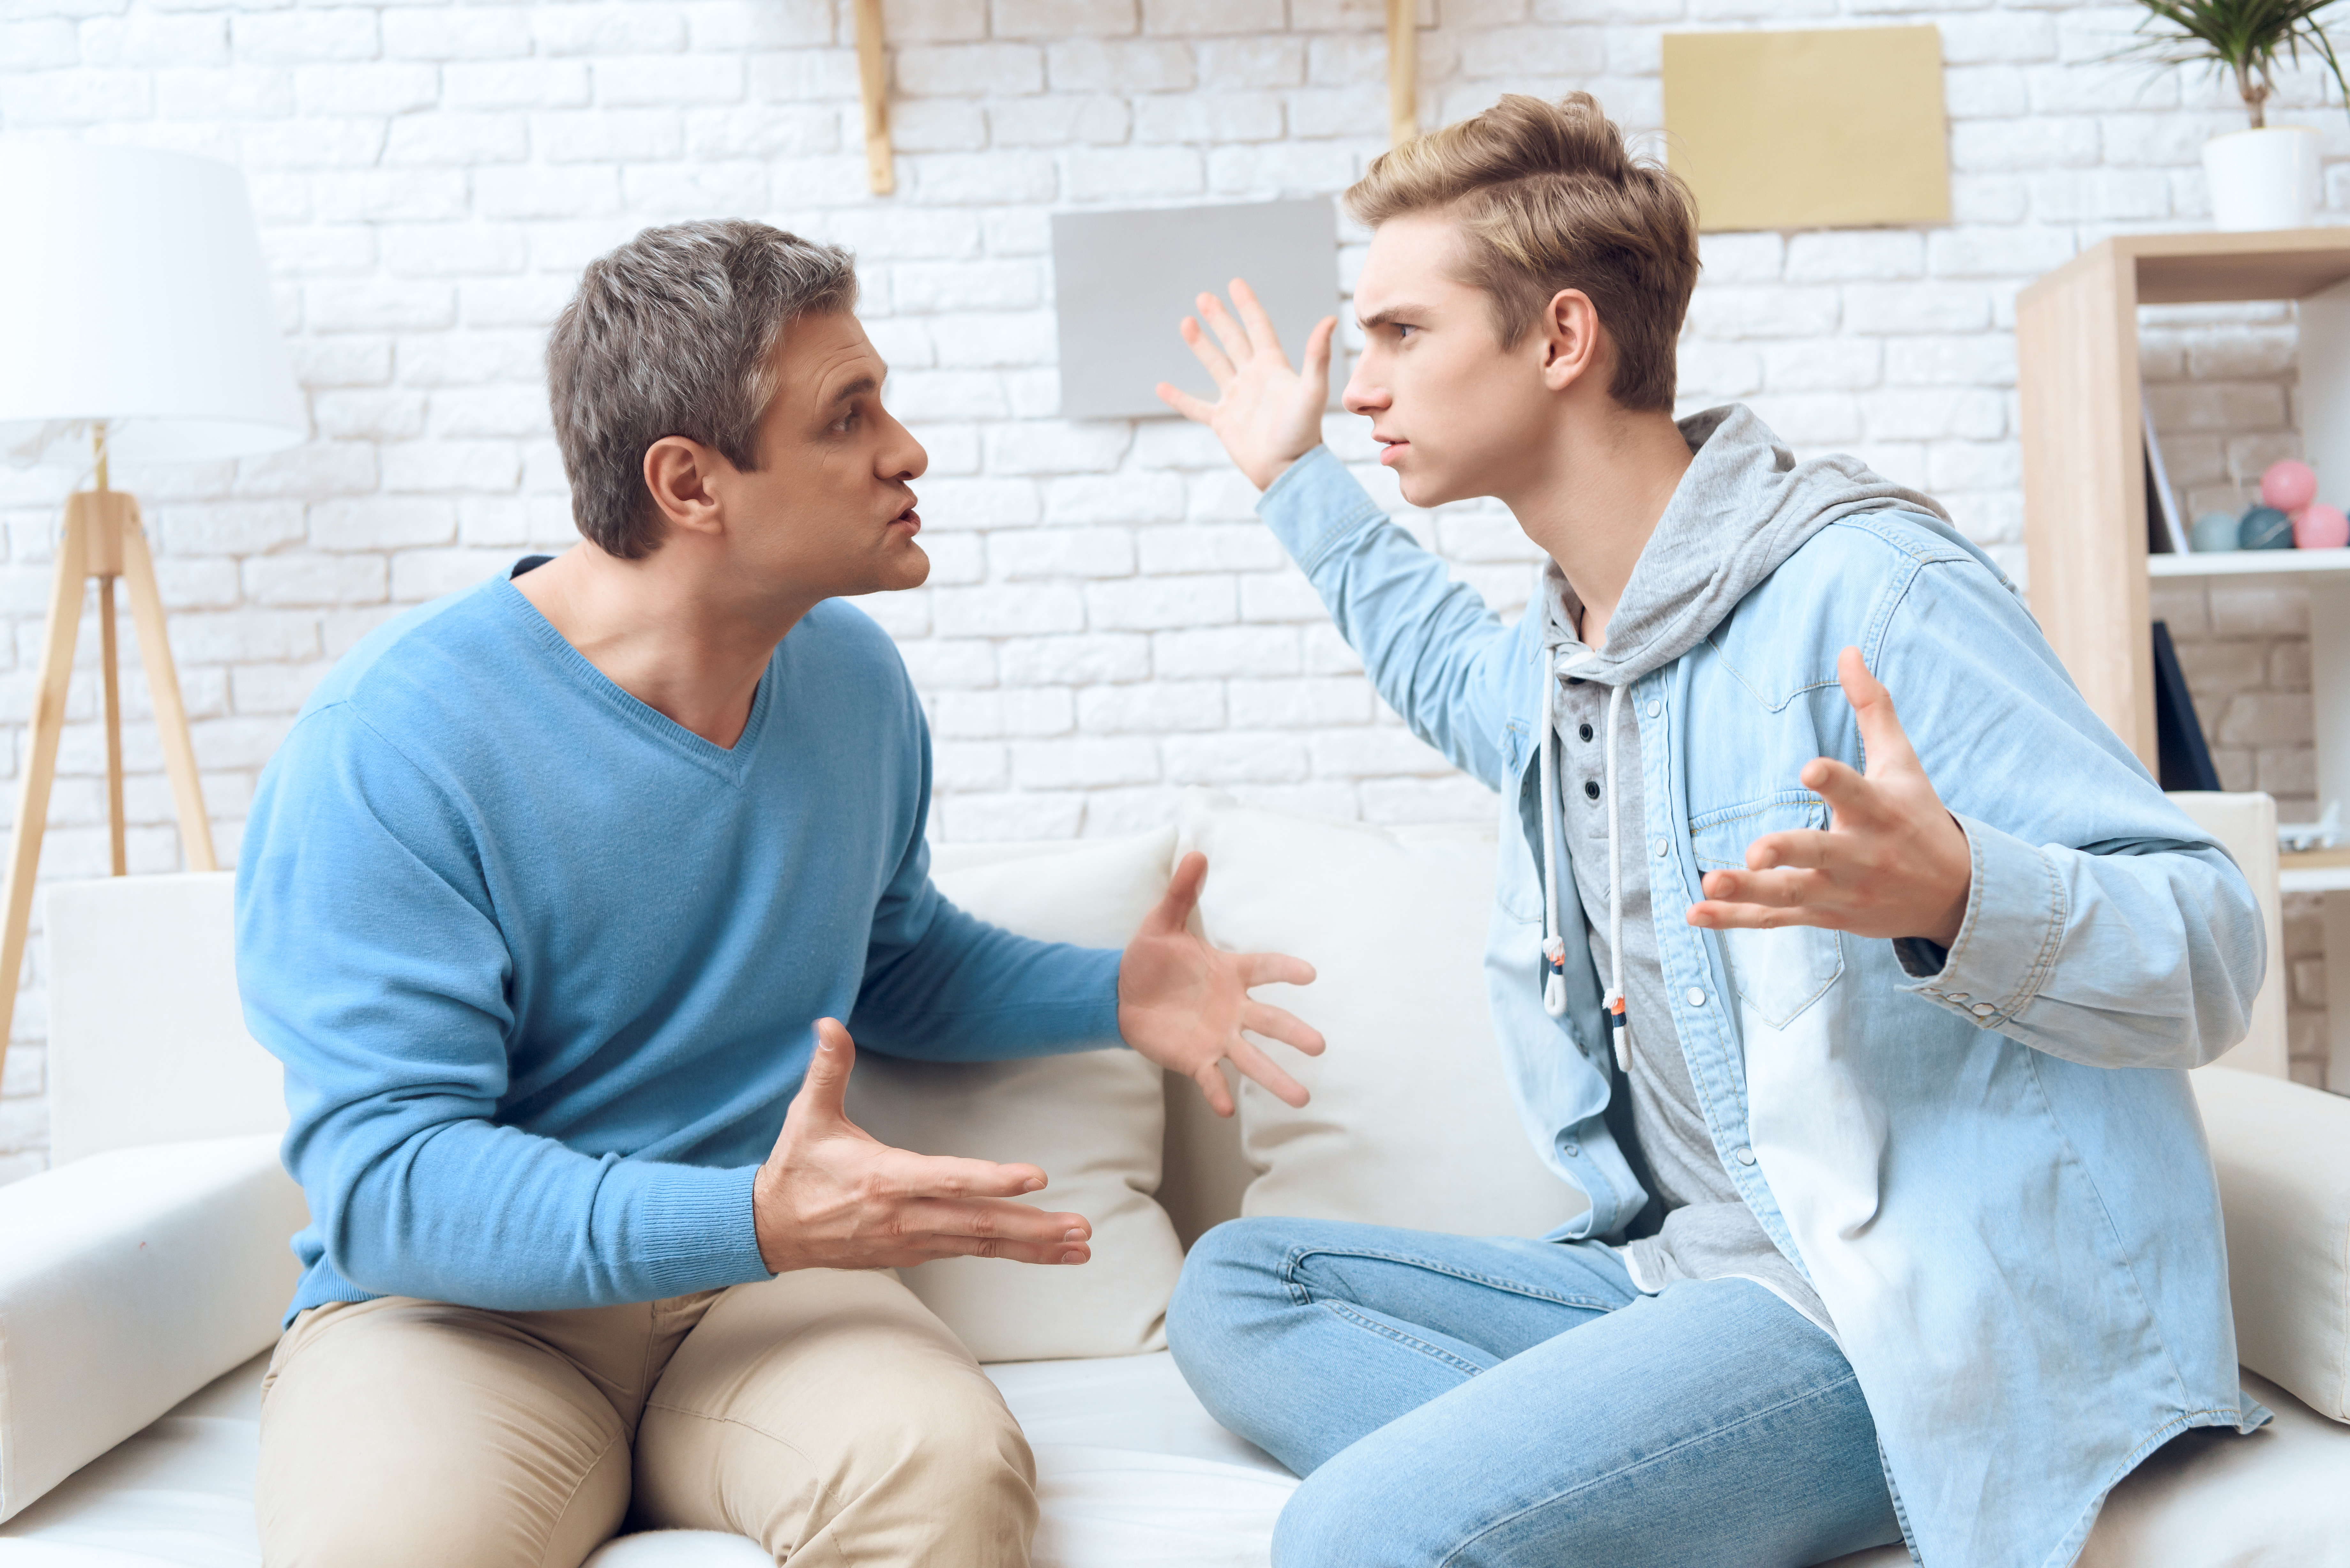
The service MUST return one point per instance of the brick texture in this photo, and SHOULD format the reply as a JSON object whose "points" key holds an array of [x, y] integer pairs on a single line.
{"points": [[1107, 624]]}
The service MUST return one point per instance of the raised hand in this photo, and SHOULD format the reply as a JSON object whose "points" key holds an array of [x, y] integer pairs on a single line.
{"points": [[1182, 1004], [1893, 861], [1266, 414], [832, 1196]]}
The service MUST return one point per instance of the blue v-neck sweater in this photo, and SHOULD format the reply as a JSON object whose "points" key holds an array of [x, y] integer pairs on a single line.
{"points": [[544, 966]]}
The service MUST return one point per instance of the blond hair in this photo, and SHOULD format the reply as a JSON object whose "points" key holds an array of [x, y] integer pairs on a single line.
{"points": [[1549, 198]]}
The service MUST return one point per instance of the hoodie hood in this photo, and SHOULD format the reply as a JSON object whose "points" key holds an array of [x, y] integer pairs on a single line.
{"points": [[1743, 508]]}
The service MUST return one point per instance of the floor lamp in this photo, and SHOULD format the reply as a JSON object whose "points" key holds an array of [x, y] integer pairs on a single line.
{"points": [[136, 325]]}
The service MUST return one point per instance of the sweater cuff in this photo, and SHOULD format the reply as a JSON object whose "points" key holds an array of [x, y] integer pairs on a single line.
{"points": [[680, 1228], [1313, 504], [2007, 944]]}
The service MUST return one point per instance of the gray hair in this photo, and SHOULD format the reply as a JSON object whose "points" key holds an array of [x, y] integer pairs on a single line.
{"points": [[674, 334]]}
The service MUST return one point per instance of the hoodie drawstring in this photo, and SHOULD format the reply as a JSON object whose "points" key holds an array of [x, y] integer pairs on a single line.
{"points": [[1554, 945]]}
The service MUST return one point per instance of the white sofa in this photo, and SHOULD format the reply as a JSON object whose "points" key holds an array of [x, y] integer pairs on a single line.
{"points": [[142, 1279]]}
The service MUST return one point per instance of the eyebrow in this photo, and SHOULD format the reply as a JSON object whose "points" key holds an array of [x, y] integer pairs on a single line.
{"points": [[1392, 315], [856, 389]]}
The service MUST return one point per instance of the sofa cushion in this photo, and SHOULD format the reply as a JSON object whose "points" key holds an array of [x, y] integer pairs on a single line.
{"points": [[2282, 1152], [1095, 1122], [1411, 1121]]}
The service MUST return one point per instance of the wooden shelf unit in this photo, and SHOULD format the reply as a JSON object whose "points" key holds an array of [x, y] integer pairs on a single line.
{"points": [[2083, 456], [2084, 499]]}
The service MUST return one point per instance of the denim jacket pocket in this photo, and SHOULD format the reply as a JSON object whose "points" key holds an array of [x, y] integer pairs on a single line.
{"points": [[1778, 973]]}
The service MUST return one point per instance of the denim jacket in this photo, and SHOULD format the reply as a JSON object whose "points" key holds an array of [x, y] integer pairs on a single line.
{"points": [[1988, 1162]]}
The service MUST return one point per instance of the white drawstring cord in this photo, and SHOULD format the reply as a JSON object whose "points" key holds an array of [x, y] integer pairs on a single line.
{"points": [[1553, 946], [1618, 1025]]}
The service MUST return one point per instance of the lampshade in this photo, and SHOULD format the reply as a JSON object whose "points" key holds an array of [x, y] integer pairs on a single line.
{"points": [[132, 290]]}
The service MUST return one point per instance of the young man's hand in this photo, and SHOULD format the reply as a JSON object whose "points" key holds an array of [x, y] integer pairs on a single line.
{"points": [[1266, 414], [1182, 1004], [1893, 861], [832, 1196]]}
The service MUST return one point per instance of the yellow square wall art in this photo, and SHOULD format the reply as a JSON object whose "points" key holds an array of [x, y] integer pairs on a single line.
{"points": [[1838, 127]]}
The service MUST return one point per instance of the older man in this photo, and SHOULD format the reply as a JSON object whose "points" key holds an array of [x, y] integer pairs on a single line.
{"points": [[550, 904]]}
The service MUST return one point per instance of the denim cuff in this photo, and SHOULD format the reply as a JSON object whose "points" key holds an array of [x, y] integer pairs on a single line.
{"points": [[1313, 505], [2014, 925]]}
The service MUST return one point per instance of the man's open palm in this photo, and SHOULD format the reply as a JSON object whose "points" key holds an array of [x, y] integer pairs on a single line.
{"points": [[1183, 1004], [1893, 861], [1266, 414]]}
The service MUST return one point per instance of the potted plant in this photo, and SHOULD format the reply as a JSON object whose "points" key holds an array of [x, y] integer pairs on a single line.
{"points": [[2266, 177]]}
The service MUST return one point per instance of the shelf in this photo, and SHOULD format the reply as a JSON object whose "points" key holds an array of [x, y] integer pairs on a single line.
{"points": [[2241, 566], [2196, 268]]}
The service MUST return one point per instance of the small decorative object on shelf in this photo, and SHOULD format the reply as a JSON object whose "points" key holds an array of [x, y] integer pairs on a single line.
{"points": [[2267, 177], [2318, 526], [2214, 531], [2289, 485], [2264, 528]]}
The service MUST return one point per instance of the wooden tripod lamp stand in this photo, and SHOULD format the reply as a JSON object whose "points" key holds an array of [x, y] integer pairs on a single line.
{"points": [[136, 317]]}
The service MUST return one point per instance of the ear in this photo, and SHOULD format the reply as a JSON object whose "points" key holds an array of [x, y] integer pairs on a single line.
{"points": [[1572, 343], [679, 471]]}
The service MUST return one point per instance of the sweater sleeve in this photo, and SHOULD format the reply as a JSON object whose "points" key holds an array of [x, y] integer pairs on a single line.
{"points": [[372, 964], [942, 985]]}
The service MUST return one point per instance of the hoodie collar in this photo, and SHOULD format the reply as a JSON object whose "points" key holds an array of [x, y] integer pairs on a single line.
{"points": [[1743, 508]]}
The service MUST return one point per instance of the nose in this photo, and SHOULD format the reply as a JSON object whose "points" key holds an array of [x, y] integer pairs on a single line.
{"points": [[1363, 395], [901, 455]]}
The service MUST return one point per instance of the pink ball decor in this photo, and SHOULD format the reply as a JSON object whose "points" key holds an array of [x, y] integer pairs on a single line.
{"points": [[2317, 526], [2289, 485]]}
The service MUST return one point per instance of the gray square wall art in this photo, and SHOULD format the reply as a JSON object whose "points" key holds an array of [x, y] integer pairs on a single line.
{"points": [[1125, 281]]}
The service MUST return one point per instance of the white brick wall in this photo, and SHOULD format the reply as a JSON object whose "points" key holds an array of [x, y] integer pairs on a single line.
{"points": [[1105, 624]]}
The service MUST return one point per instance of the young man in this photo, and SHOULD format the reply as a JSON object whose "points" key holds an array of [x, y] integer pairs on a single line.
{"points": [[550, 903], [1901, 1222]]}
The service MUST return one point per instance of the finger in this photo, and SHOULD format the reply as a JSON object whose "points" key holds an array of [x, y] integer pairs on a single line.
{"points": [[1184, 403], [1211, 1079], [1883, 743], [1172, 913], [1855, 799], [826, 1088], [1257, 323], [1318, 356], [1779, 889], [1255, 1064], [1047, 1253], [1798, 848], [1279, 1023], [1218, 368], [1319, 351], [1274, 969], [902, 1173], [1714, 914], [1229, 332], [927, 1219]]}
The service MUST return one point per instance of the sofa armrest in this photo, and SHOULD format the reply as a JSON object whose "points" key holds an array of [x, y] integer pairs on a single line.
{"points": [[2283, 1153], [130, 1281]]}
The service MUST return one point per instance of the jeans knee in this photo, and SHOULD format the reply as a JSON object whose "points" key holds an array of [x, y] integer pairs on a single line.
{"points": [[1332, 1522], [1223, 1292]]}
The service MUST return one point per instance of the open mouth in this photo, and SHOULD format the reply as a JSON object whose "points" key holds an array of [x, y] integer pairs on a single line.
{"points": [[1390, 447], [910, 518]]}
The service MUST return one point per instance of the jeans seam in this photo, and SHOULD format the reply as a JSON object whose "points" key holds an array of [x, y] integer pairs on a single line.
{"points": [[1452, 1556], [1301, 1296]]}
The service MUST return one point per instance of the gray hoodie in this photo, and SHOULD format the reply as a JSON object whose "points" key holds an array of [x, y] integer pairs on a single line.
{"points": [[1743, 508]]}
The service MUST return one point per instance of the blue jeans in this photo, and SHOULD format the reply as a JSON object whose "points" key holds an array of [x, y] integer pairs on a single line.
{"points": [[1462, 1401]]}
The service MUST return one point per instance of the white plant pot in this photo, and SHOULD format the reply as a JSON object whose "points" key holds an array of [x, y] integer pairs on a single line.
{"points": [[2264, 179]]}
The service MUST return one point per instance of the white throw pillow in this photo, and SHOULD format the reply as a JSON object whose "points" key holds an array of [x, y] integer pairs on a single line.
{"points": [[1411, 1122], [1095, 1121]]}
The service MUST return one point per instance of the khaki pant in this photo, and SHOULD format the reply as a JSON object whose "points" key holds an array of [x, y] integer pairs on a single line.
{"points": [[825, 1414]]}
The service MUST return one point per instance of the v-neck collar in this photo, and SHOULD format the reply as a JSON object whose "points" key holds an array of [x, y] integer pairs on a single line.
{"points": [[731, 763]]}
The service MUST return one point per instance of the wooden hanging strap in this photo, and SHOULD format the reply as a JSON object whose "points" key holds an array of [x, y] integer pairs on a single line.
{"points": [[873, 85], [1403, 70]]}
